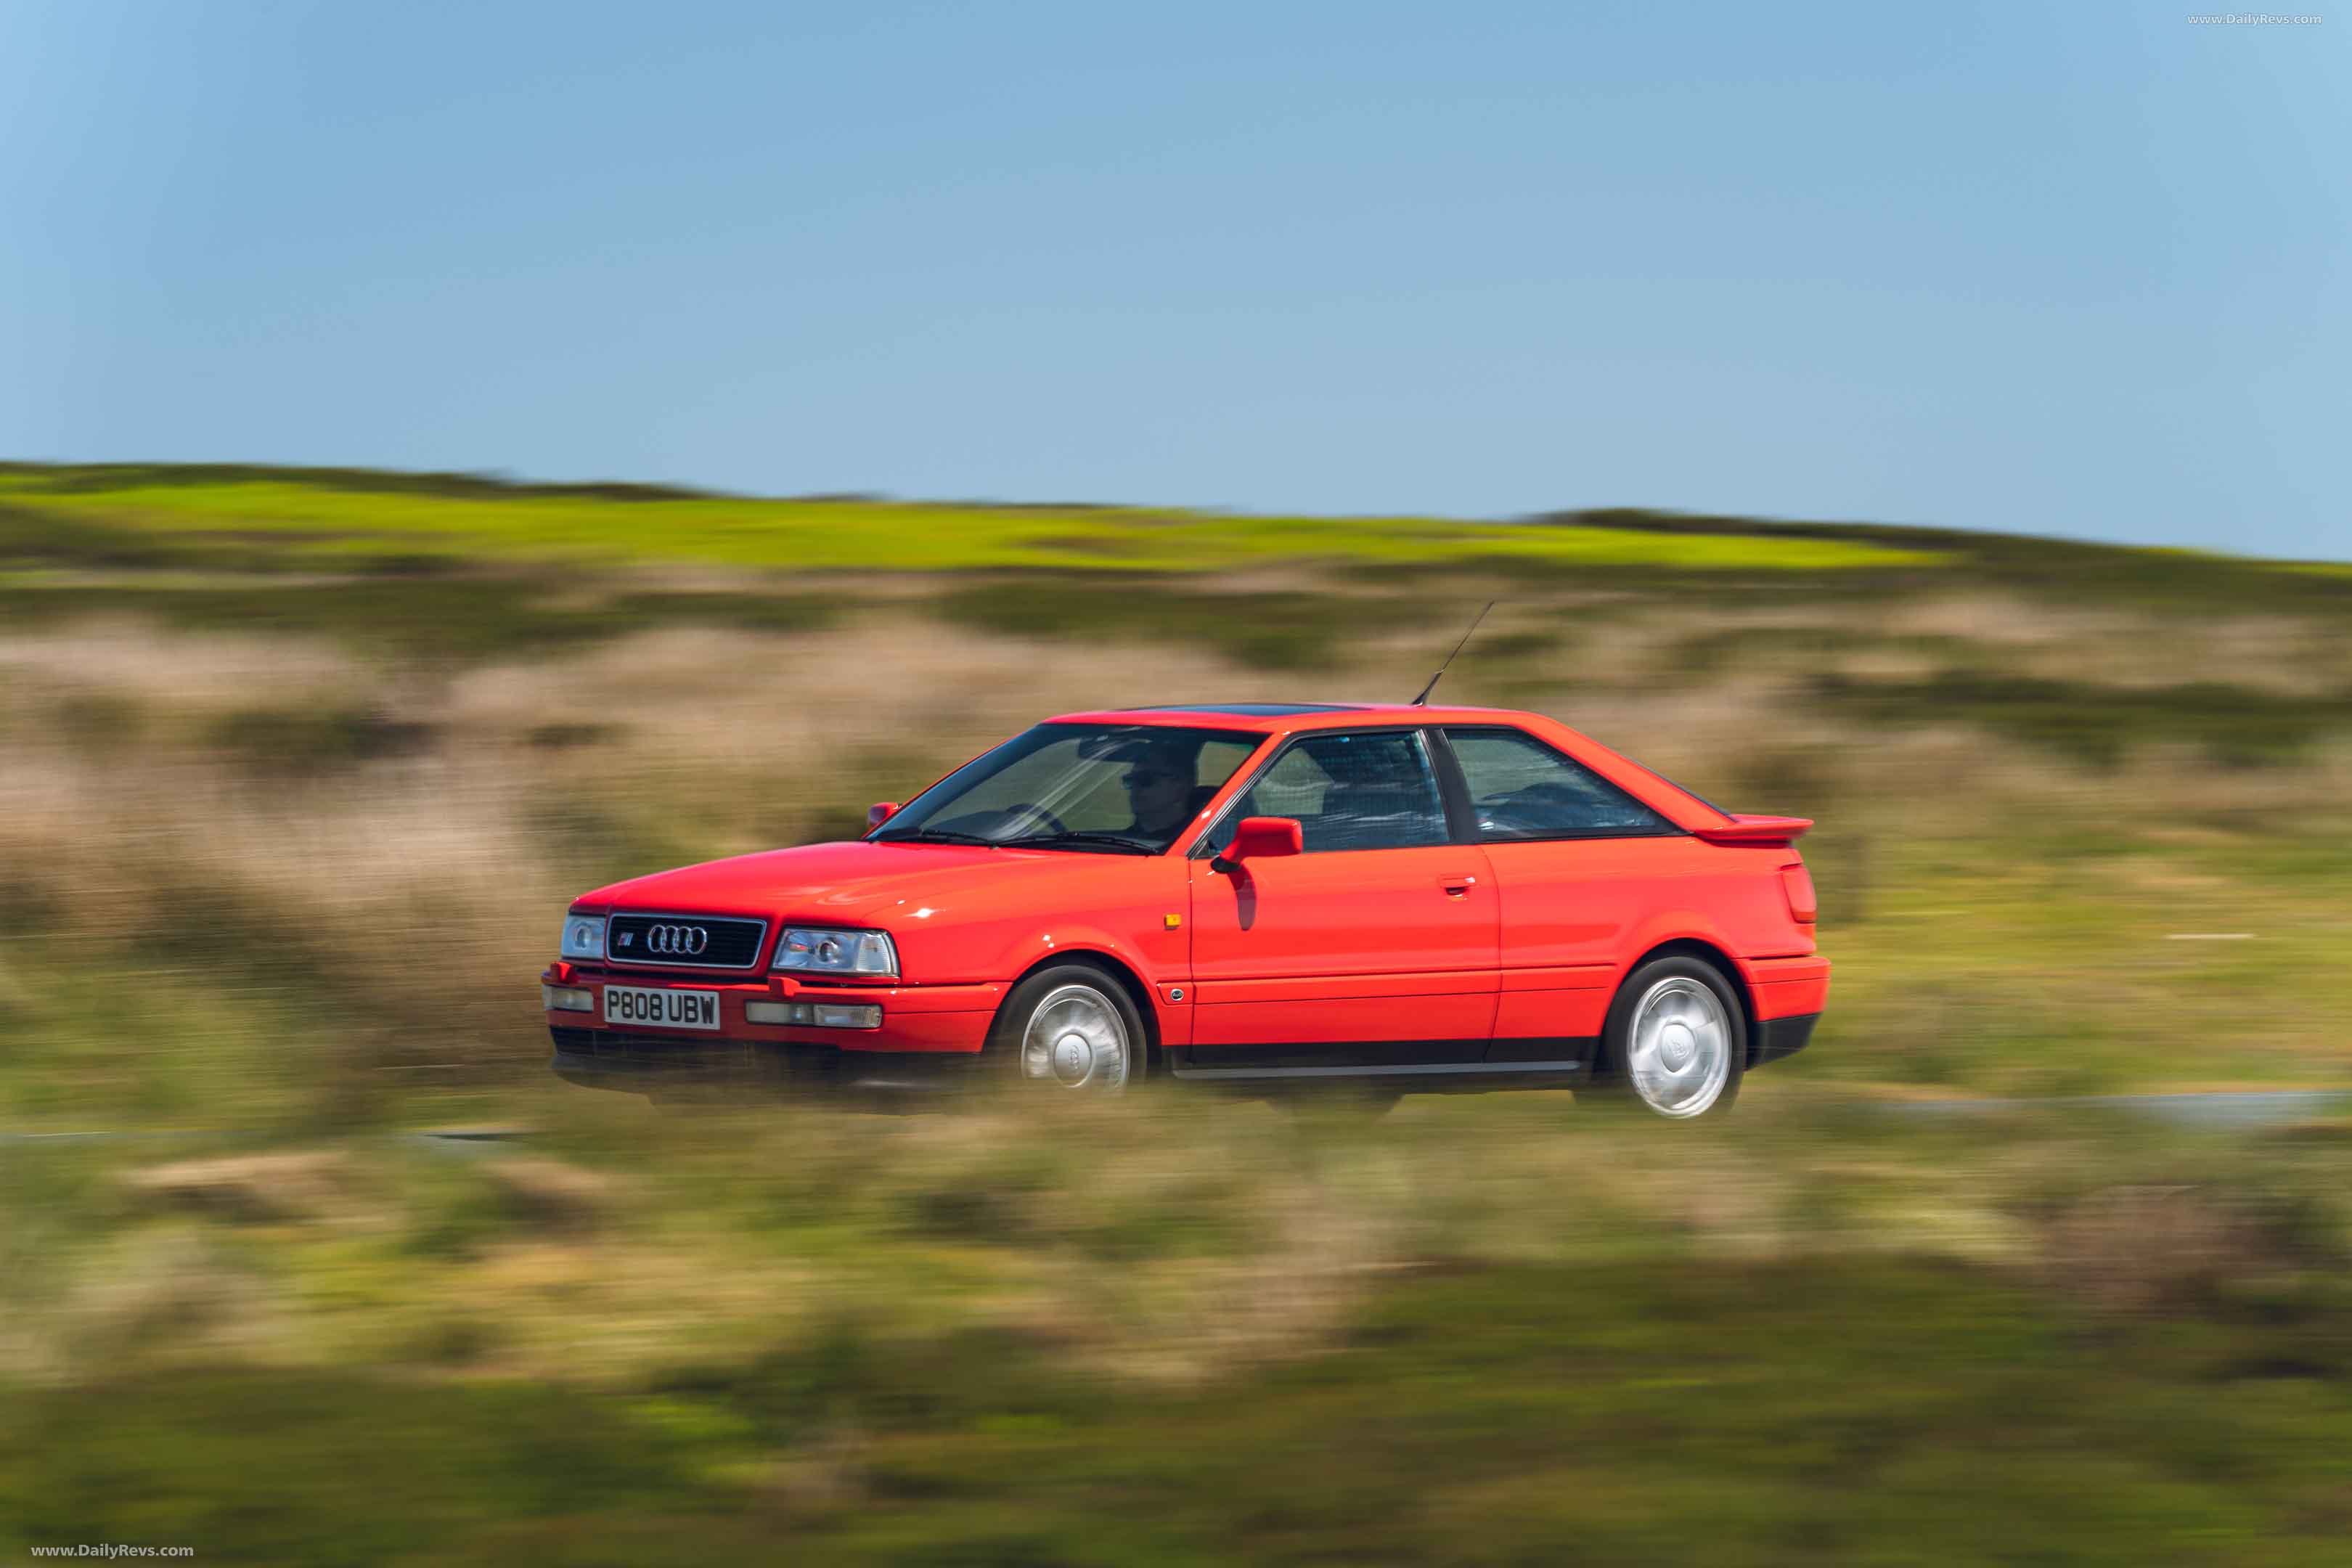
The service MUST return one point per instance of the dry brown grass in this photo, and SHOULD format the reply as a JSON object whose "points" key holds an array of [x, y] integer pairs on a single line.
{"points": [[551, 1194], [453, 829], [169, 673], [2143, 1251], [458, 853], [160, 1297], [430, 849], [794, 706], [1998, 620], [293, 1186]]}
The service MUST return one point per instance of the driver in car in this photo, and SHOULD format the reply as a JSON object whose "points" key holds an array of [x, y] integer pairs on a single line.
{"points": [[1159, 790]]}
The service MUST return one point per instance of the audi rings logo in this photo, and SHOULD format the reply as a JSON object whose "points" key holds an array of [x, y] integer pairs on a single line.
{"points": [[676, 941]]}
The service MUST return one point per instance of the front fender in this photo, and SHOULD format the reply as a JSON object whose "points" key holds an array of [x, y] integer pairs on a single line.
{"points": [[1063, 939], [1003, 950], [1171, 1020]]}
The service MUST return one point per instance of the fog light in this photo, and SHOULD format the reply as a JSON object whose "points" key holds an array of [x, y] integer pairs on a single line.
{"points": [[567, 999], [824, 1015]]}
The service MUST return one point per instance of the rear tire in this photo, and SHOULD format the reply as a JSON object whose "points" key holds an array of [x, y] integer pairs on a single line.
{"points": [[1676, 1040], [1069, 1026]]}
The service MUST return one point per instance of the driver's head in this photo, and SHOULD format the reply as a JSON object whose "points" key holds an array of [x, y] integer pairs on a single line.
{"points": [[1159, 783]]}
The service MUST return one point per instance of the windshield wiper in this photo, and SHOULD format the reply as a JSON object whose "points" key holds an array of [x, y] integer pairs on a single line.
{"points": [[1049, 840], [935, 835]]}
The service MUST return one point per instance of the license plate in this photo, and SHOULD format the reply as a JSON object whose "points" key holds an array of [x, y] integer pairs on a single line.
{"points": [[669, 1009]]}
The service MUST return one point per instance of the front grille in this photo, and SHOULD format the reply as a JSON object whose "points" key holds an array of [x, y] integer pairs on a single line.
{"points": [[683, 941]]}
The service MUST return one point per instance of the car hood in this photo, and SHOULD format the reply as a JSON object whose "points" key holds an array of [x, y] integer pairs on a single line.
{"points": [[856, 883]]}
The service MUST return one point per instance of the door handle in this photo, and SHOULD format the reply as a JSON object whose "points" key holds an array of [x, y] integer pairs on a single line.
{"points": [[1457, 887]]}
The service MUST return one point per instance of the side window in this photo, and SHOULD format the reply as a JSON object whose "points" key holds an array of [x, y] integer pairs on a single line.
{"points": [[1349, 792], [1521, 788]]}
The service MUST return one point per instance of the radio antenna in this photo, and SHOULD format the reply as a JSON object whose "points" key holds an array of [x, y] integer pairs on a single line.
{"points": [[1441, 668]]}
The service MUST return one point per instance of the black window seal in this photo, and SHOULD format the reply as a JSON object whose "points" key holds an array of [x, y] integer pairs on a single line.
{"points": [[1452, 786], [1270, 746], [1669, 829]]}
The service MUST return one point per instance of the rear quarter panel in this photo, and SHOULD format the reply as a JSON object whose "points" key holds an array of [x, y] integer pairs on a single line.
{"points": [[1579, 914]]}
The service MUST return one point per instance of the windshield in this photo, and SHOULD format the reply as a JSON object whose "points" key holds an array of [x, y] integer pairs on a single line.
{"points": [[1103, 788]]}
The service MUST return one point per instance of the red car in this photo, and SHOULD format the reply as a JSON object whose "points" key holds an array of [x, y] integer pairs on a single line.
{"points": [[1248, 895]]}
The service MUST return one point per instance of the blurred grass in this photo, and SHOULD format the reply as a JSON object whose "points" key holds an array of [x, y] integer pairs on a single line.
{"points": [[432, 616], [1477, 1331], [2233, 724], [296, 772], [2019, 805], [1269, 631]]}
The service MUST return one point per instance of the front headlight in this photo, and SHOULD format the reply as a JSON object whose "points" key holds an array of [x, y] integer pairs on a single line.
{"points": [[584, 936], [806, 950]]}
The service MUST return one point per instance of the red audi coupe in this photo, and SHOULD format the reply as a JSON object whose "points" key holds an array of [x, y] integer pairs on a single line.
{"points": [[1246, 895]]}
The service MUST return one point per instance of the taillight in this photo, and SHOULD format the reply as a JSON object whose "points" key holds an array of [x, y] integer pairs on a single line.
{"points": [[1797, 884]]}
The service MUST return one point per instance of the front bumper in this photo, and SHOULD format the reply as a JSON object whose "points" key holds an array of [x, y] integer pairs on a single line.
{"points": [[644, 1063], [927, 1033]]}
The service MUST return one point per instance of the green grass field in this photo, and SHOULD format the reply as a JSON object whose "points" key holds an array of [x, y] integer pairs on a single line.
{"points": [[298, 769], [338, 518], [1474, 1332]]}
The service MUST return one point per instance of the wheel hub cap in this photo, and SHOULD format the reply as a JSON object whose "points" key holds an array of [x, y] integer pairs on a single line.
{"points": [[1678, 1053], [1076, 1039], [1072, 1057]]}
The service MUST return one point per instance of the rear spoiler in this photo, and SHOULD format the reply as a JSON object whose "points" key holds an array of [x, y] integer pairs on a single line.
{"points": [[1756, 832]]}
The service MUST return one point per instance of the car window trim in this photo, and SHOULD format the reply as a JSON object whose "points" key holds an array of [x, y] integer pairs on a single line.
{"points": [[1597, 835], [1199, 848], [1667, 827]]}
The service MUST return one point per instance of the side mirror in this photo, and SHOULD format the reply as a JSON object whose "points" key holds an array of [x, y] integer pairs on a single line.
{"points": [[1261, 838], [880, 812]]}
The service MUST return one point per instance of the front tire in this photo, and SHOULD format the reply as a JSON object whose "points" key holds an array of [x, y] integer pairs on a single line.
{"points": [[1676, 1040], [1070, 1027]]}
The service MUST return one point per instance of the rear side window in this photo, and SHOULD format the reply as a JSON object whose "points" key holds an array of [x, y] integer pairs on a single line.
{"points": [[1521, 788], [1371, 791]]}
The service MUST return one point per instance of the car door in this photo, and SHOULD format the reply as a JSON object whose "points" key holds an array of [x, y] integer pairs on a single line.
{"points": [[1577, 863], [1377, 946]]}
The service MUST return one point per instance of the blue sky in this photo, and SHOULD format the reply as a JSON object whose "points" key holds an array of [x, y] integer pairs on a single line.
{"points": [[2079, 271]]}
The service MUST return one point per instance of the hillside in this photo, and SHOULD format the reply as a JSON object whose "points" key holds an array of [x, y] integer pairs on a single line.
{"points": [[298, 769]]}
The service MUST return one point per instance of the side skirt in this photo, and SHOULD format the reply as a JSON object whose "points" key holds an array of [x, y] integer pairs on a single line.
{"points": [[1567, 1065]]}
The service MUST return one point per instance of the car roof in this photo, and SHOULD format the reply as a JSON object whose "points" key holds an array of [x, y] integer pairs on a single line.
{"points": [[1269, 717]]}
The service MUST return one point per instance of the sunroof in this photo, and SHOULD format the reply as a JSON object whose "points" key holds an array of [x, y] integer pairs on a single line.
{"points": [[1248, 709]]}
